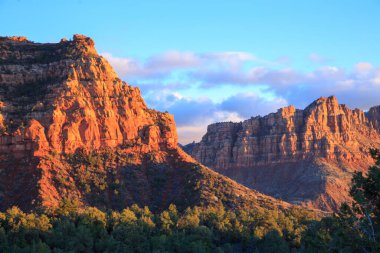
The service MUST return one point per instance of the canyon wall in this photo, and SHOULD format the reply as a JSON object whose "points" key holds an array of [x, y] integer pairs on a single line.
{"points": [[305, 156]]}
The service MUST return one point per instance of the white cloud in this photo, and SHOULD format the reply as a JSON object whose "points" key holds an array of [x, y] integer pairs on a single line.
{"points": [[316, 58], [250, 104], [121, 65], [166, 63], [376, 79], [363, 68], [158, 66], [227, 59], [173, 60]]}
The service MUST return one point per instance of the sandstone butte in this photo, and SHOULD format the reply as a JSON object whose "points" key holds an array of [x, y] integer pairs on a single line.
{"points": [[71, 130], [305, 157]]}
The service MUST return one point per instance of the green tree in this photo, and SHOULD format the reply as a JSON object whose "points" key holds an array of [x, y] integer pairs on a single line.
{"points": [[356, 227], [273, 243], [360, 220]]}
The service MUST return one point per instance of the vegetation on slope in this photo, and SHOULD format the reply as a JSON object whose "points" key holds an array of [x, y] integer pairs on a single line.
{"points": [[356, 227], [135, 229], [70, 228]]}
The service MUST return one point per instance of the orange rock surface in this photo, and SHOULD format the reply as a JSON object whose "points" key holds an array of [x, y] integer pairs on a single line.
{"points": [[305, 156]]}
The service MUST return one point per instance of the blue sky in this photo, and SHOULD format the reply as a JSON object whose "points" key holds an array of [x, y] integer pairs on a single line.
{"points": [[207, 61]]}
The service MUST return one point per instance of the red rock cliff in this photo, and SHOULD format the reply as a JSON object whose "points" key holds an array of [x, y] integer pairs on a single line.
{"points": [[303, 156], [69, 98], [71, 129]]}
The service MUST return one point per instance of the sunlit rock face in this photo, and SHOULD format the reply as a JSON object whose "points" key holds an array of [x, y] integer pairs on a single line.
{"points": [[71, 129], [70, 98], [302, 156]]}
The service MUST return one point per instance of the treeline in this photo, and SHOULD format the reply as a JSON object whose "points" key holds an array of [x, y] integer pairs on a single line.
{"points": [[69, 228], [137, 229]]}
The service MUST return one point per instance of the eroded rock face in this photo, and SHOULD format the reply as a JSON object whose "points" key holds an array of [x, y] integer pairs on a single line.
{"points": [[75, 100], [70, 128], [302, 156]]}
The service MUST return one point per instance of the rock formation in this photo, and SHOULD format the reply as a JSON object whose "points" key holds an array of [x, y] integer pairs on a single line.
{"points": [[302, 156], [70, 129]]}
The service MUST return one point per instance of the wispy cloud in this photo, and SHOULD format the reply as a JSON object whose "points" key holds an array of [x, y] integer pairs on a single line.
{"points": [[363, 68], [251, 104], [166, 63], [317, 58]]}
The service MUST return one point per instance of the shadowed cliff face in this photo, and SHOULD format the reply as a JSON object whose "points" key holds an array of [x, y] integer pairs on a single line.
{"points": [[71, 129], [302, 156], [373, 115]]}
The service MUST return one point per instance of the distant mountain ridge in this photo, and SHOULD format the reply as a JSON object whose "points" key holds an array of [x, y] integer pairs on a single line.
{"points": [[302, 156], [70, 129]]}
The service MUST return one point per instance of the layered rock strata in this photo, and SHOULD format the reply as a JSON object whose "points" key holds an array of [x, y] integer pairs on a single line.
{"points": [[303, 156]]}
